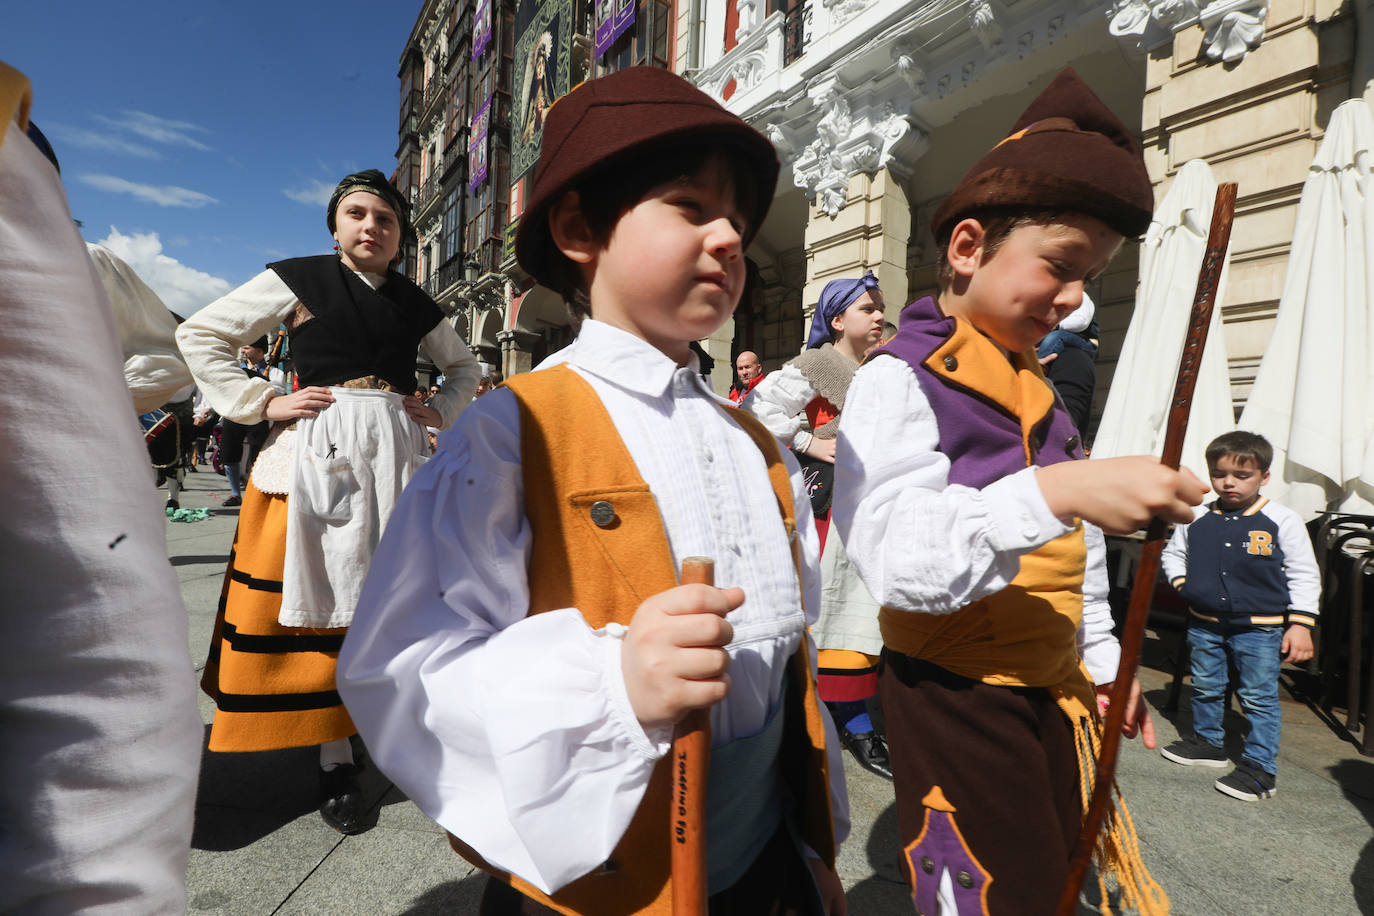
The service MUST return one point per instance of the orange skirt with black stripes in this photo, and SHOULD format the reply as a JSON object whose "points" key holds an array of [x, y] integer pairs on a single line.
{"points": [[273, 685]]}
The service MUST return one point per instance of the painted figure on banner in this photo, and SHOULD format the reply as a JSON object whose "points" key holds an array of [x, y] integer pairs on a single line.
{"points": [[477, 149], [539, 93], [481, 29]]}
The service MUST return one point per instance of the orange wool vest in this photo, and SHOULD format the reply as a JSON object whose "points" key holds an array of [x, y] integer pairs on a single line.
{"points": [[572, 457]]}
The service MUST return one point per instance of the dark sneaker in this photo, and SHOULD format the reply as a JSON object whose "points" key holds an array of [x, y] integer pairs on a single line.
{"points": [[231, 502], [1247, 782], [1192, 751], [173, 505]]}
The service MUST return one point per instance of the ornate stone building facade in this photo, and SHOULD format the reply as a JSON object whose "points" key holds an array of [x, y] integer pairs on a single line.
{"points": [[476, 76], [877, 107], [536, 320], [453, 160]]}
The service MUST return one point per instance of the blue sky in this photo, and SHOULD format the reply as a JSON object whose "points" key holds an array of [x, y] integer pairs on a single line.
{"points": [[200, 140]]}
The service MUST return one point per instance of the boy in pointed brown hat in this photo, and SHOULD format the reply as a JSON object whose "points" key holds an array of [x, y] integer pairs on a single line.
{"points": [[522, 647], [971, 519]]}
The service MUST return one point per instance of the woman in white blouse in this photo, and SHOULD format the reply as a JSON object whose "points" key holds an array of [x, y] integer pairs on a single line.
{"points": [[810, 391], [341, 449]]}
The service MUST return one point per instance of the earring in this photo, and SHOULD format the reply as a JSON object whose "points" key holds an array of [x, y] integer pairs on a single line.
{"points": [[336, 246]]}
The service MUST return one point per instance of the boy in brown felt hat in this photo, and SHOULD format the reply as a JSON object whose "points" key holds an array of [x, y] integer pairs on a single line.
{"points": [[523, 648], [971, 520]]}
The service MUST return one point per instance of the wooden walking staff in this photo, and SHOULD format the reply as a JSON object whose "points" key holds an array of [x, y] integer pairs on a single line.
{"points": [[691, 760], [1133, 634]]}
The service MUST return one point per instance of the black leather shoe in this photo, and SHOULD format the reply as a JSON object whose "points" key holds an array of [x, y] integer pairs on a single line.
{"points": [[341, 799], [869, 749]]}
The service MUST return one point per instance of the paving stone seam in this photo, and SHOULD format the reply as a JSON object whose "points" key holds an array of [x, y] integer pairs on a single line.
{"points": [[306, 878]]}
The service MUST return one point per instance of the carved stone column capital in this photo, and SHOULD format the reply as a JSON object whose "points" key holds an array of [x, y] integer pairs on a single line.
{"points": [[983, 21], [1233, 27], [841, 11], [853, 132], [748, 19]]}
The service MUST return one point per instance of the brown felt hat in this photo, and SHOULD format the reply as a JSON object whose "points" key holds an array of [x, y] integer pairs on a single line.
{"points": [[628, 113], [1066, 151]]}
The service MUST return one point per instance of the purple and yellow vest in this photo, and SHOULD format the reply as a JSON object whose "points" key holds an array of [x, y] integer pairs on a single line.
{"points": [[996, 416]]}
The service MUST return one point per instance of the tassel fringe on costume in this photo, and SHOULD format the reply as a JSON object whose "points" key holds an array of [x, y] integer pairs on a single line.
{"points": [[1117, 855]]}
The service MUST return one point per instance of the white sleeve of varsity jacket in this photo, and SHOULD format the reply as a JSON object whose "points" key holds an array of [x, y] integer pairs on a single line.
{"points": [[919, 542], [1174, 559], [1300, 565]]}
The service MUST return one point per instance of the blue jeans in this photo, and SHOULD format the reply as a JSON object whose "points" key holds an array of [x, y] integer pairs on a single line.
{"points": [[1256, 653]]}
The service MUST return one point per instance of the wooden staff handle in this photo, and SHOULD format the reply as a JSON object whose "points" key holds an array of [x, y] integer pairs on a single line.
{"points": [[1133, 633], [691, 756], [275, 353]]}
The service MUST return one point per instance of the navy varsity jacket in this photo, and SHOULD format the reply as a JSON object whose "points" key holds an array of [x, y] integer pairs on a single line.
{"points": [[1254, 566]]}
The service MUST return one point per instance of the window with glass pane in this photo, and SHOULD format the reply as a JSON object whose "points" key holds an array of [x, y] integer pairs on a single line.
{"points": [[453, 237], [632, 48]]}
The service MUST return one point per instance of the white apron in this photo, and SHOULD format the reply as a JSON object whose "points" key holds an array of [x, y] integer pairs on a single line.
{"points": [[350, 465], [849, 615]]}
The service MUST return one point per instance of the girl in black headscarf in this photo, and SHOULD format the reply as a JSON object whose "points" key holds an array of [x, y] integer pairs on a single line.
{"points": [[341, 448]]}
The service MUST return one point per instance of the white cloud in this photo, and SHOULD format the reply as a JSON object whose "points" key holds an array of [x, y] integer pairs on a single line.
{"points": [[162, 195], [93, 139], [316, 193], [182, 289], [158, 130]]}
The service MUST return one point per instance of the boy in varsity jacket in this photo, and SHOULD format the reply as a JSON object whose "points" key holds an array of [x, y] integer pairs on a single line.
{"points": [[1246, 568]]}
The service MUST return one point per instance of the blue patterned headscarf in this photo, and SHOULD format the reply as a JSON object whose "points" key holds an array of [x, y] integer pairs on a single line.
{"points": [[837, 296]]}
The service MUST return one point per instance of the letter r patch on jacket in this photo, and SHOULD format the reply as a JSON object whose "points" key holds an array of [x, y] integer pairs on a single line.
{"points": [[1260, 544]]}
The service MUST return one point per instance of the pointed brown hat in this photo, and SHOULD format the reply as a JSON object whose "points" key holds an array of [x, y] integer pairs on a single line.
{"points": [[1067, 151]]}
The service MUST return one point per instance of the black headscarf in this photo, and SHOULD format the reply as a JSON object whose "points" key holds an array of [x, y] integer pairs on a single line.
{"points": [[373, 182]]}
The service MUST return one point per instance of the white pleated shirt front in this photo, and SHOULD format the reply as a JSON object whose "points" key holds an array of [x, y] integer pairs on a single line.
{"points": [[515, 732]]}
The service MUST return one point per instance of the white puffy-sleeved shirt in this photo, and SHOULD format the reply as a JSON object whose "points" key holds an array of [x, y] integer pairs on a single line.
{"points": [[210, 341], [99, 735], [514, 732], [923, 544], [779, 403], [153, 367]]}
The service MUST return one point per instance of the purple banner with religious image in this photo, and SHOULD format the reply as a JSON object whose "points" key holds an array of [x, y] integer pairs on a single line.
{"points": [[481, 28], [613, 17], [477, 146]]}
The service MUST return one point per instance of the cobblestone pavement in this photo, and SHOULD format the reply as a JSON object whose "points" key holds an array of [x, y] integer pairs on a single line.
{"points": [[260, 847]]}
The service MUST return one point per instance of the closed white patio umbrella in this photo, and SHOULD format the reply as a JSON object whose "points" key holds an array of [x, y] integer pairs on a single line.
{"points": [[1314, 395], [1137, 409]]}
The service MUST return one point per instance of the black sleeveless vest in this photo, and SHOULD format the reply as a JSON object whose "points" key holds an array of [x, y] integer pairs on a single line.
{"points": [[356, 330]]}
